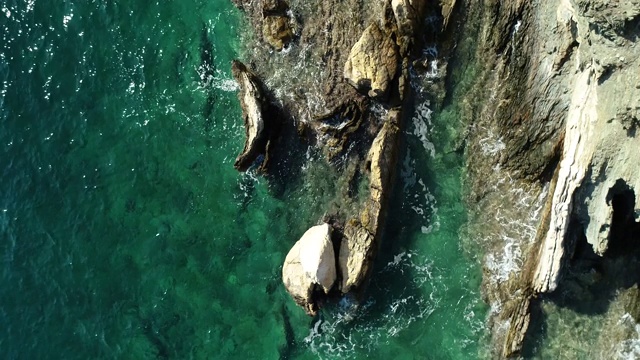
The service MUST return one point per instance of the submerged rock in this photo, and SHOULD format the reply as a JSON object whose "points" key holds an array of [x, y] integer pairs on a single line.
{"points": [[373, 62], [310, 267], [253, 103]]}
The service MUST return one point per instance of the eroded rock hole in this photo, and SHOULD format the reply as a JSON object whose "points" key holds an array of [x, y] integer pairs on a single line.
{"points": [[624, 237], [591, 282]]}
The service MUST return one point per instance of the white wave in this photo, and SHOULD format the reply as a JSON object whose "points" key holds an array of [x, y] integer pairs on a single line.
{"points": [[630, 348], [492, 145], [502, 265], [423, 125], [432, 71], [340, 336], [511, 213], [226, 85], [66, 19]]}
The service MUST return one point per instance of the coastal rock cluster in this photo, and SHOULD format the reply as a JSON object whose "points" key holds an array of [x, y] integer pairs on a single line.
{"points": [[372, 72], [553, 116]]}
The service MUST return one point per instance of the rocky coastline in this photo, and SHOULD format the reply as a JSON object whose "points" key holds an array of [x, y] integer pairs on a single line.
{"points": [[551, 144], [562, 86]]}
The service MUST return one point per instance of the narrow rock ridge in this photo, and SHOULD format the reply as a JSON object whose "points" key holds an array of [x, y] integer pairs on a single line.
{"points": [[576, 156], [362, 236]]}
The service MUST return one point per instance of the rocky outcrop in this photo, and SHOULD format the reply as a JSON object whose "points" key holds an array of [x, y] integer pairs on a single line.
{"points": [[309, 270], [362, 236], [256, 121], [606, 89], [373, 62]]}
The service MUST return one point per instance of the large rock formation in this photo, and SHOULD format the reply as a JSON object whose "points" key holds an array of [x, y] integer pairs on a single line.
{"points": [[309, 269], [256, 122], [559, 112], [605, 96]]}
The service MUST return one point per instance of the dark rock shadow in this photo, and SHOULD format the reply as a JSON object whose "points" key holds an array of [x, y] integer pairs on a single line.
{"points": [[591, 282], [537, 331]]}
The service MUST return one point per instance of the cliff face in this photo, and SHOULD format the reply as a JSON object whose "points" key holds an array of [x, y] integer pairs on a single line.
{"points": [[557, 120]]}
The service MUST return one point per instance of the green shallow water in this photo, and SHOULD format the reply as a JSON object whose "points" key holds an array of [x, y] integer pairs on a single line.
{"points": [[125, 232]]}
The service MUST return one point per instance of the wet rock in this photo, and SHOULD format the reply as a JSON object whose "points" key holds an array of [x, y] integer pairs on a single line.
{"points": [[254, 104], [277, 29], [340, 124], [373, 62], [309, 269], [362, 236]]}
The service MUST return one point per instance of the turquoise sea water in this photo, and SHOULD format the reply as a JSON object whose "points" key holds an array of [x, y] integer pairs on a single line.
{"points": [[125, 232]]}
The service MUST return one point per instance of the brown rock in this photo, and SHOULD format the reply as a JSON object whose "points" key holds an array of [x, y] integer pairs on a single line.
{"points": [[373, 62], [277, 31], [361, 237]]}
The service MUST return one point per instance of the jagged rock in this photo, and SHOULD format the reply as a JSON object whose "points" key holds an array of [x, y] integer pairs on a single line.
{"points": [[357, 252], [408, 15], [518, 326], [340, 124], [253, 104], [361, 237], [310, 267], [373, 62]]}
